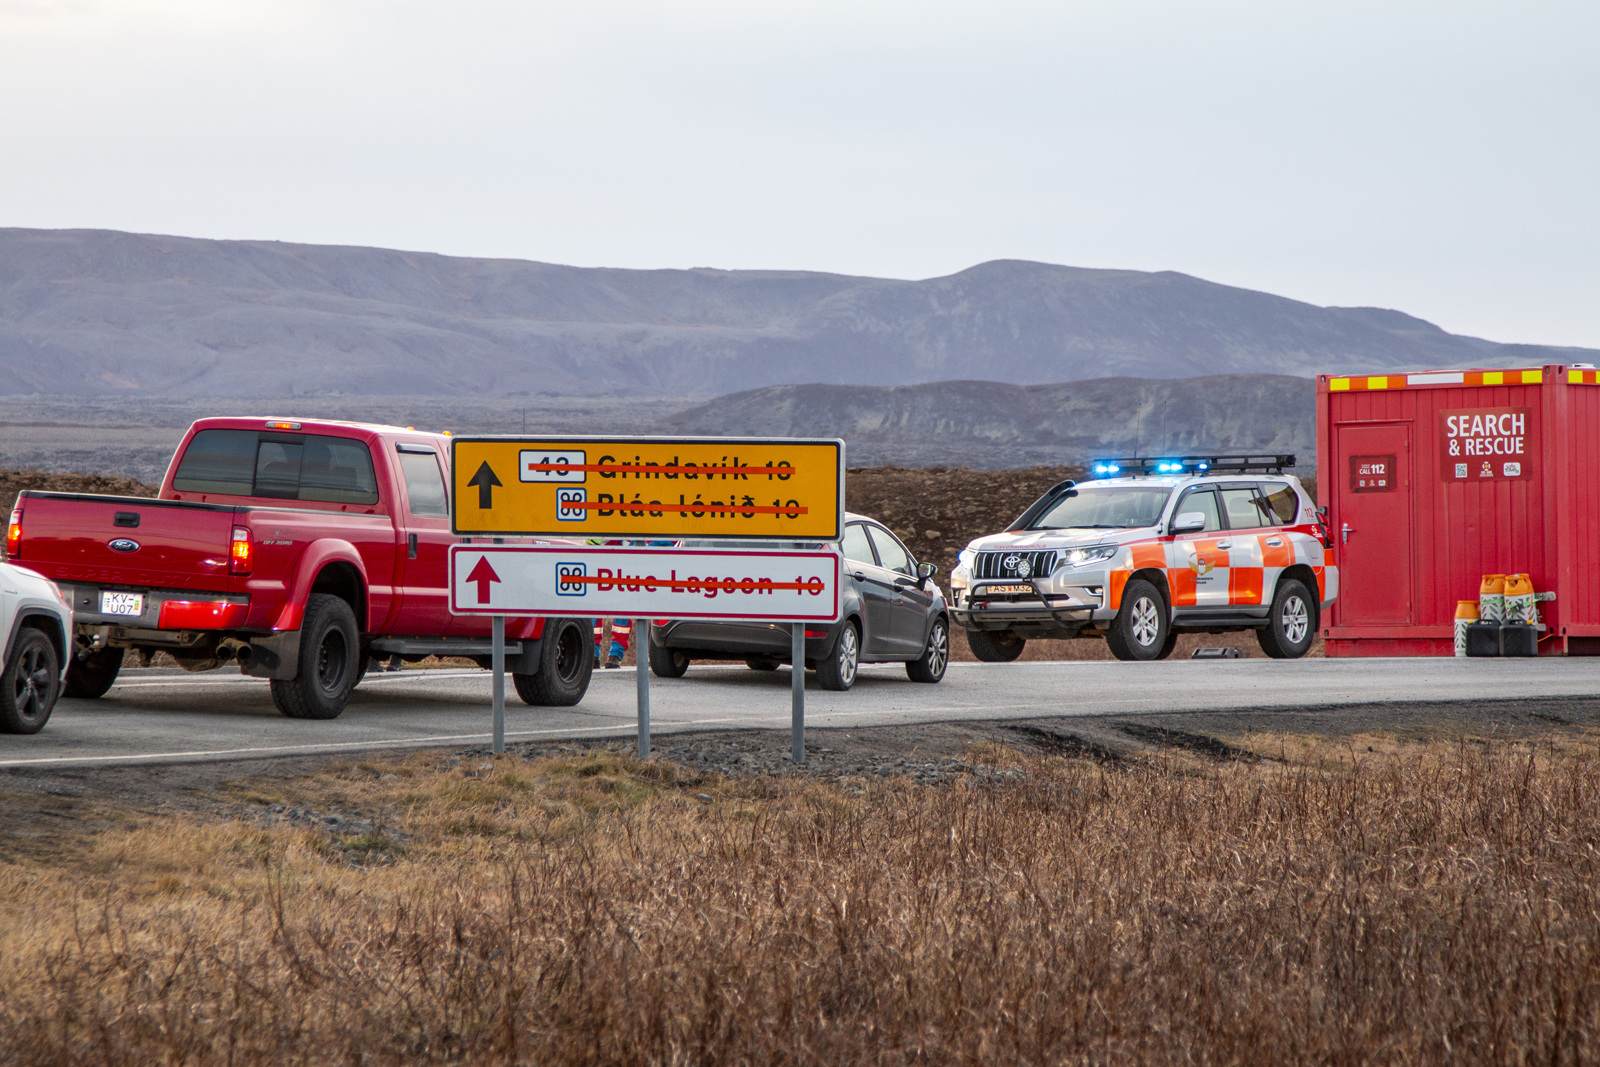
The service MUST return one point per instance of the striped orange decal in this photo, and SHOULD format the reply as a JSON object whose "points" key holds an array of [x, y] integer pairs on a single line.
{"points": [[1244, 585], [1181, 580], [1275, 555], [1210, 553], [1322, 582], [1525, 376], [1119, 579], [1150, 554]]}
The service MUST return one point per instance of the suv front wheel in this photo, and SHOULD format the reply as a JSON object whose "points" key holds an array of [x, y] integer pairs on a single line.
{"points": [[995, 646], [1140, 629]]}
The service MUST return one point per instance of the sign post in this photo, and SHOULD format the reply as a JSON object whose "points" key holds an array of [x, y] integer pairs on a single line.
{"points": [[642, 684], [797, 693], [498, 661]]}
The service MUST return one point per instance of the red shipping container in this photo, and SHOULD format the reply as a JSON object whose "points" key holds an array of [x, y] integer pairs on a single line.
{"points": [[1433, 480]]}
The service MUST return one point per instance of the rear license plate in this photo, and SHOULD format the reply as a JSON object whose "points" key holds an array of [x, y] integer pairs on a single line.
{"points": [[121, 603], [1007, 589]]}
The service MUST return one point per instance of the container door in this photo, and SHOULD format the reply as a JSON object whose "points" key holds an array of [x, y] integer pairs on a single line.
{"points": [[1372, 529]]}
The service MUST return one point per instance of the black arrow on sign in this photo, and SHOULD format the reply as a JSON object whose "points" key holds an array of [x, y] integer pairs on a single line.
{"points": [[485, 481]]}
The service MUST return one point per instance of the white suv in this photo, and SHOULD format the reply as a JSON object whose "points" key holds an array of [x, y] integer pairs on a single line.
{"points": [[1147, 550], [35, 621]]}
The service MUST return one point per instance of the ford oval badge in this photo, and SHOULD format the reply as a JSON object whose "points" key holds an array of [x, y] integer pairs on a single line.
{"points": [[123, 544]]}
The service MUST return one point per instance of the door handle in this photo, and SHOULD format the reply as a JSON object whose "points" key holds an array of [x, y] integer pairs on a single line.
{"points": [[858, 576], [1224, 545], [411, 546], [1345, 530]]}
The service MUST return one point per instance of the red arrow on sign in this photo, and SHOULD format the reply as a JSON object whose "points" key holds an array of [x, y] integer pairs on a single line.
{"points": [[483, 574]]}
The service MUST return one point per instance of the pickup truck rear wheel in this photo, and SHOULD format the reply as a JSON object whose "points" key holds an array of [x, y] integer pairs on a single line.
{"points": [[566, 659], [995, 646], [1141, 628], [330, 659], [91, 675]]}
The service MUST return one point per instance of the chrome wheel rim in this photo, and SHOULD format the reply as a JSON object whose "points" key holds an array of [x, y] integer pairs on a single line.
{"points": [[1296, 620], [938, 648], [1146, 622], [847, 655]]}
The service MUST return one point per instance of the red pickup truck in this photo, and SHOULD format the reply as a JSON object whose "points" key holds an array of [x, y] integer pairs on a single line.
{"points": [[294, 548]]}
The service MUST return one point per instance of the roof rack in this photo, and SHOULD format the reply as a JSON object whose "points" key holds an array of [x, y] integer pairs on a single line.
{"points": [[1109, 468]]}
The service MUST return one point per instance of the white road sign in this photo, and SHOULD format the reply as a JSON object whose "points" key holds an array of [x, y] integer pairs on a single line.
{"points": [[656, 583]]}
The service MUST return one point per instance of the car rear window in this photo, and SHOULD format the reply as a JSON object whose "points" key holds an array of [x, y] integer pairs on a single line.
{"points": [[331, 470]]}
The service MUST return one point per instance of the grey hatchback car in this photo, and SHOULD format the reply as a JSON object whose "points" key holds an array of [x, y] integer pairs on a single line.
{"points": [[894, 612]]}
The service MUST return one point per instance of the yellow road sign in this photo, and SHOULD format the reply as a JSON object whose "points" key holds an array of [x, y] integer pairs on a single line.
{"points": [[720, 488]]}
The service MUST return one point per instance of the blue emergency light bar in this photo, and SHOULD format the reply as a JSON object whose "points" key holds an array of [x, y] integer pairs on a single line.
{"points": [[1111, 468]]}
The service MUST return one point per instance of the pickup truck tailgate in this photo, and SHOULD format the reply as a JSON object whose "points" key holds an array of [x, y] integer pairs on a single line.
{"points": [[131, 541]]}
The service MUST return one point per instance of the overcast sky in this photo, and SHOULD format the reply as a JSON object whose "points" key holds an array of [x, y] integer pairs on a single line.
{"points": [[1441, 158]]}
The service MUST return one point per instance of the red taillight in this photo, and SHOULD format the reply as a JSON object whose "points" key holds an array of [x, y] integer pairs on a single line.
{"points": [[202, 615], [241, 555], [816, 633], [14, 536]]}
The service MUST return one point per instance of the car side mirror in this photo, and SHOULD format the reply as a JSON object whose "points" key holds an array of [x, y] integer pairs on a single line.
{"points": [[926, 571], [1189, 522]]}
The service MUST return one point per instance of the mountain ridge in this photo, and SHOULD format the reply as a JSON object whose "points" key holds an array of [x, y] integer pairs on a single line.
{"points": [[96, 312]]}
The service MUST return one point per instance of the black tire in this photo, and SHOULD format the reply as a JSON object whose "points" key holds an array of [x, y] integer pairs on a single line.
{"points": [[763, 663], [90, 676], [566, 662], [995, 646], [365, 659], [1291, 624], [929, 667], [1141, 628], [667, 662], [838, 671], [1172, 643], [330, 660], [30, 684]]}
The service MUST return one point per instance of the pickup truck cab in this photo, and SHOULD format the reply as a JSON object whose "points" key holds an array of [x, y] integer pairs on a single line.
{"points": [[294, 548], [1149, 549]]}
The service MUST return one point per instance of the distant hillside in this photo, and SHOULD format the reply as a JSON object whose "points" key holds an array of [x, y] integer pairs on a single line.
{"points": [[90, 312], [980, 423]]}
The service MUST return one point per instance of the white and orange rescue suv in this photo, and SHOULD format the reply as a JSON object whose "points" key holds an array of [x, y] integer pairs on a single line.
{"points": [[1149, 549]]}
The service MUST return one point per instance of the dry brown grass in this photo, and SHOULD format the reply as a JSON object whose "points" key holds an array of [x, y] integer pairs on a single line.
{"points": [[1416, 903]]}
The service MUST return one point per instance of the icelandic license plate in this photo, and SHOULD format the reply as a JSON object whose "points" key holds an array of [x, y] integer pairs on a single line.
{"points": [[1007, 589], [121, 603]]}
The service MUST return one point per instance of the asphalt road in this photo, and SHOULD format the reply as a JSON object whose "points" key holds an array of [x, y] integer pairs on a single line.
{"points": [[155, 716]]}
